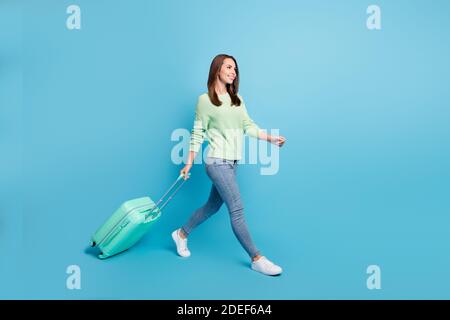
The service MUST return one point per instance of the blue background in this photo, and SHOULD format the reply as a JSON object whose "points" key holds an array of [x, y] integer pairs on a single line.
{"points": [[86, 118]]}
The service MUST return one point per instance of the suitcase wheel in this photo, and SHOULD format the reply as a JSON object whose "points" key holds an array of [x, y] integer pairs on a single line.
{"points": [[92, 244], [102, 256]]}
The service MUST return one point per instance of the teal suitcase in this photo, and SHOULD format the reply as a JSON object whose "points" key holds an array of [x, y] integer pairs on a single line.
{"points": [[129, 223]]}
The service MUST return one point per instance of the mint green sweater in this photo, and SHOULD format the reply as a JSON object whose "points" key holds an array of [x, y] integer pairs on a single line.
{"points": [[222, 126]]}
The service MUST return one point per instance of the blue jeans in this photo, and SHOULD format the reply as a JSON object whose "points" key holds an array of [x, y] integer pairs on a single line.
{"points": [[222, 173]]}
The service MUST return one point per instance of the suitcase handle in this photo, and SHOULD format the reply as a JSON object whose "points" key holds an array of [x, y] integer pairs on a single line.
{"points": [[180, 177]]}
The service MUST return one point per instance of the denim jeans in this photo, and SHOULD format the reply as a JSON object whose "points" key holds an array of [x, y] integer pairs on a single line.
{"points": [[224, 188]]}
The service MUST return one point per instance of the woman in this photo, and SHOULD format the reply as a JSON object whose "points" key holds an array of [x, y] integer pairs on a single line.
{"points": [[222, 116]]}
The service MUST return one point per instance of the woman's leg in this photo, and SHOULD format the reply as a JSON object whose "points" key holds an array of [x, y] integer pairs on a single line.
{"points": [[224, 178], [201, 214]]}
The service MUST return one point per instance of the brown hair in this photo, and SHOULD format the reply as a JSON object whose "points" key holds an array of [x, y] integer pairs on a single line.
{"points": [[232, 89]]}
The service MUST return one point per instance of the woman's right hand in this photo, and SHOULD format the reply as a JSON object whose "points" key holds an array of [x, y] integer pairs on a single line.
{"points": [[185, 171]]}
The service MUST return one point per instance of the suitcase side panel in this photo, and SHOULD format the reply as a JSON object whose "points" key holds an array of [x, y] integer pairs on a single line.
{"points": [[119, 215], [129, 231], [124, 237]]}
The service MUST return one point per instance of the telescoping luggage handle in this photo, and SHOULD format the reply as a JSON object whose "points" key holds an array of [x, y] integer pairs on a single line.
{"points": [[170, 189]]}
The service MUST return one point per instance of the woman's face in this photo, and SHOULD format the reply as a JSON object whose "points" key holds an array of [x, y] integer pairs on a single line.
{"points": [[227, 72]]}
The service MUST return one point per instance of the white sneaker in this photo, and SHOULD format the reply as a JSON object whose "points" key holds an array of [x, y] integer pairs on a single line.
{"points": [[266, 266], [181, 244]]}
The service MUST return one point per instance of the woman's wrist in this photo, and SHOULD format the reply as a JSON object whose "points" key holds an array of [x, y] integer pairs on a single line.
{"points": [[264, 136]]}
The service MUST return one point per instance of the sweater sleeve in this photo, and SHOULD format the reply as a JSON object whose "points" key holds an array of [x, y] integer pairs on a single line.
{"points": [[250, 127], [199, 128]]}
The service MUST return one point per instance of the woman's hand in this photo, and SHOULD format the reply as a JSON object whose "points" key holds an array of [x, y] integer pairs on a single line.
{"points": [[278, 140], [185, 171]]}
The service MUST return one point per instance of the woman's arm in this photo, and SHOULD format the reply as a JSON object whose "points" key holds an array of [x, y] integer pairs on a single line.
{"points": [[191, 157], [188, 166], [197, 136], [253, 130]]}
